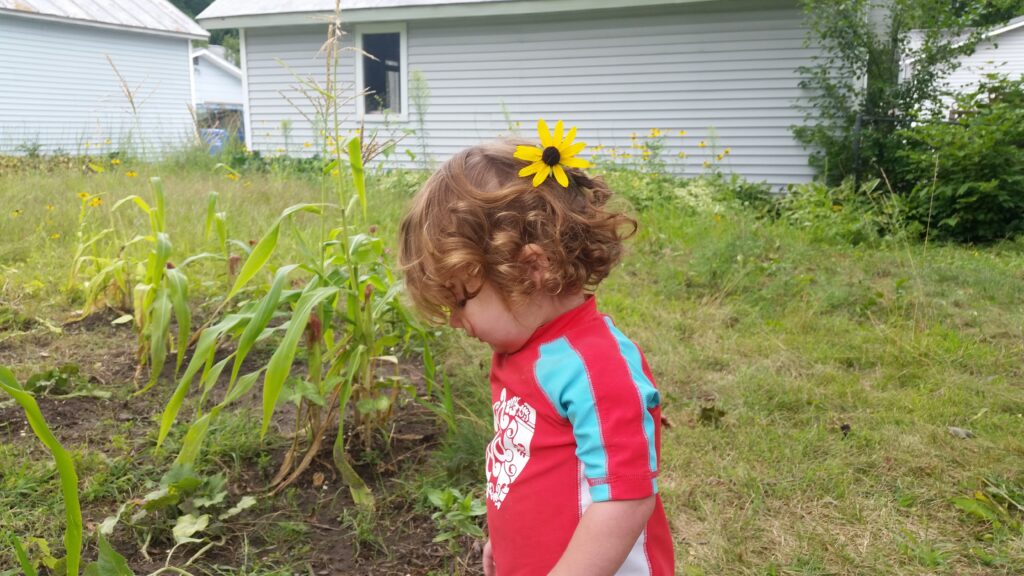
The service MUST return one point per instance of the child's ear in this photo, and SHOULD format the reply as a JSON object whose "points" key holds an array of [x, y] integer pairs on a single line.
{"points": [[536, 261]]}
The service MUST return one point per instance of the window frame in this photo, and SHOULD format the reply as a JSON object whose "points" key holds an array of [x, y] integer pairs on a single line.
{"points": [[403, 67]]}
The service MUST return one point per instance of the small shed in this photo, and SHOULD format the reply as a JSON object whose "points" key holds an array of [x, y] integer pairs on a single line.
{"points": [[713, 84], [1002, 52], [219, 101], [95, 76]]}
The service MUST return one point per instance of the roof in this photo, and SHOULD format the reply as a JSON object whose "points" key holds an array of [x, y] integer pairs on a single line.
{"points": [[261, 13], [917, 36], [147, 16], [218, 62]]}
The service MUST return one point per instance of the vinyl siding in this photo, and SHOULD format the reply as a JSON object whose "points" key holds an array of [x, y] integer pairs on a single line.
{"points": [[727, 77], [1005, 56], [216, 86], [60, 92]]}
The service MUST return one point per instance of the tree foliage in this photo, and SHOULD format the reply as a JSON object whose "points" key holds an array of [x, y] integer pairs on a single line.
{"points": [[885, 60]]}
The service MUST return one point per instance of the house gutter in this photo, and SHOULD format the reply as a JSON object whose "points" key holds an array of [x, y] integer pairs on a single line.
{"points": [[407, 13]]}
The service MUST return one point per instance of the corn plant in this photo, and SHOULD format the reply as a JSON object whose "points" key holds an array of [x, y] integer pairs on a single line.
{"points": [[65, 468]]}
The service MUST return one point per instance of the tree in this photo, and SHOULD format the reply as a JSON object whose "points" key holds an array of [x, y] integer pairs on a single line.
{"points": [[226, 38], [864, 45]]}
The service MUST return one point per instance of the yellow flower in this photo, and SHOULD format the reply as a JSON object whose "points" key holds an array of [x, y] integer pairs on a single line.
{"points": [[682, 154], [232, 176], [707, 164], [626, 155], [727, 151], [633, 136], [96, 201], [655, 132], [720, 157], [84, 195], [553, 153], [682, 132], [702, 144], [131, 173], [50, 207], [307, 145], [15, 213], [115, 162], [55, 236], [107, 141]]}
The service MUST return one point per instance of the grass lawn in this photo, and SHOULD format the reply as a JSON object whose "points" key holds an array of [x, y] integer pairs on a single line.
{"points": [[809, 388]]}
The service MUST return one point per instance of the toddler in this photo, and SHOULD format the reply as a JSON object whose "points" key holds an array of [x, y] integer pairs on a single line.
{"points": [[507, 242]]}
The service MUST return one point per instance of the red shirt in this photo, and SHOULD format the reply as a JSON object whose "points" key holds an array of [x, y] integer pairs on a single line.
{"points": [[576, 420]]}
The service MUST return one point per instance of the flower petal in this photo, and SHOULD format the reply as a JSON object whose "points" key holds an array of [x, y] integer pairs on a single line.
{"points": [[575, 163], [528, 153], [560, 175], [531, 169], [556, 140], [567, 141], [541, 175], [573, 150], [544, 133]]}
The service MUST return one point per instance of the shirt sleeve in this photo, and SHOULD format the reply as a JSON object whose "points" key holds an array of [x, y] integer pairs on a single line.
{"points": [[602, 386]]}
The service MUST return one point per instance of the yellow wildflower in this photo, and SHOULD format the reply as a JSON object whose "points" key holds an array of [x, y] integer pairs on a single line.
{"points": [[682, 154], [15, 213], [107, 141], [727, 151], [115, 162], [55, 236], [131, 173], [702, 144], [633, 136], [232, 176], [307, 145], [720, 157], [682, 132], [95, 201], [554, 154], [707, 164], [655, 132], [84, 195], [50, 207]]}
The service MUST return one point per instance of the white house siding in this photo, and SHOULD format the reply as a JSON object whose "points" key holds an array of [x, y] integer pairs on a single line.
{"points": [[727, 77], [1003, 54], [214, 85], [60, 92]]}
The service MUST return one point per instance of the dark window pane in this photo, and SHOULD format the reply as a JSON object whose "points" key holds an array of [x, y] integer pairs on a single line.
{"points": [[382, 77]]}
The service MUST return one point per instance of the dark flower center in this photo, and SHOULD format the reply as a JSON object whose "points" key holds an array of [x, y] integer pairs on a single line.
{"points": [[551, 156]]}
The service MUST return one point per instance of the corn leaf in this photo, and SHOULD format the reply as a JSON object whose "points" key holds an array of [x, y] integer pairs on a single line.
{"points": [[280, 364], [257, 259], [158, 215], [261, 317], [19, 551], [205, 349], [159, 324], [178, 284], [211, 215], [355, 160], [65, 467]]}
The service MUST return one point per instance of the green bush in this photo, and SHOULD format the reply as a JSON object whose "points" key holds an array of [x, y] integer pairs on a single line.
{"points": [[965, 180]]}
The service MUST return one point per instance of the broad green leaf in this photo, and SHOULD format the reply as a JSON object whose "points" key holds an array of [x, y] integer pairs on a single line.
{"points": [[355, 160], [243, 385], [65, 468], [361, 494], [364, 249], [280, 364], [187, 526], [109, 562]]}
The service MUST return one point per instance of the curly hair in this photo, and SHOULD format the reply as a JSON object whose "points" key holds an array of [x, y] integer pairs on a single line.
{"points": [[475, 214]]}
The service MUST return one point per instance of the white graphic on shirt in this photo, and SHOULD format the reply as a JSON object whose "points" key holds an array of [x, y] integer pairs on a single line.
{"points": [[509, 451]]}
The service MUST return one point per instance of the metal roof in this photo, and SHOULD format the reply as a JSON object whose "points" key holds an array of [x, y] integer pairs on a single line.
{"points": [[230, 8], [148, 16]]}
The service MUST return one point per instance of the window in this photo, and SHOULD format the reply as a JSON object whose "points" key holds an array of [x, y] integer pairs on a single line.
{"points": [[381, 71]]}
